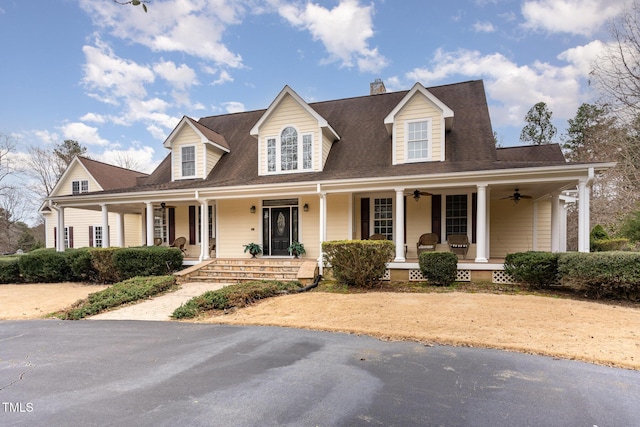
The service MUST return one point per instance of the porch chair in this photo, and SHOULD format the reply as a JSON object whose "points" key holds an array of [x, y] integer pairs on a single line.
{"points": [[377, 236], [157, 241], [180, 243], [212, 245], [427, 242], [458, 244]]}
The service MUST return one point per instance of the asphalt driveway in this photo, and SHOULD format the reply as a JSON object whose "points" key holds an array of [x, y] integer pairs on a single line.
{"points": [[121, 373]]}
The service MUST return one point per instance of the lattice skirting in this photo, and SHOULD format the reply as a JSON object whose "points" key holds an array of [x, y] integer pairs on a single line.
{"points": [[387, 275], [416, 276], [500, 276]]}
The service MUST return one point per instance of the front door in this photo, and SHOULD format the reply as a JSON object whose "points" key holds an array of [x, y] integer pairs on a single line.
{"points": [[280, 230]]}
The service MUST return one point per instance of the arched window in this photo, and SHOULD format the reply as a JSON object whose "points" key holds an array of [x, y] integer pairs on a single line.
{"points": [[289, 149]]}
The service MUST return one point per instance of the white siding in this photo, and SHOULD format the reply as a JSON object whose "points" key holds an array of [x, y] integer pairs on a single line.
{"points": [[237, 227], [417, 108], [511, 227], [77, 173], [187, 136]]}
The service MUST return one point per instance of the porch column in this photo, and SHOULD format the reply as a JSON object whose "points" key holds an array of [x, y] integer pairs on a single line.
{"points": [[555, 222], [481, 232], [399, 225], [204, 230], [583, 216], [143, 228], [563, 226], [120, 217], [149, 223], [60, 231], [105, 226], [323, 228]]}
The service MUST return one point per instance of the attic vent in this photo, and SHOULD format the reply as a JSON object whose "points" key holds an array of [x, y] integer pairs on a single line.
{"points": [[377, 87]]}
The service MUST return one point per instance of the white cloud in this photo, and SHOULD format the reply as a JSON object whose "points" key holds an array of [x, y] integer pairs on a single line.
{"points": [[234, 107], [140, 159], [112, 76], [583, 17], [224, 77], [158, 132], [181, 77], [344, 31], [483, 27], [85, 135], [511, 88], [94, 118], [194, 27]]}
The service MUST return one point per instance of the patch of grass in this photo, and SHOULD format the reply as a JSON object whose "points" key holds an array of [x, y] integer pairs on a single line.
{"points": [[131, 290], [234, 296]]}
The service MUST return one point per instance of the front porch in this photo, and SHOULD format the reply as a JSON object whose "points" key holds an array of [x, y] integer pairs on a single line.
{"points": [[234, 270]]}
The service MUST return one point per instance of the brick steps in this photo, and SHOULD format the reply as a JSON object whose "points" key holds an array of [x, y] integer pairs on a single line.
{"points": [[245, 270]]}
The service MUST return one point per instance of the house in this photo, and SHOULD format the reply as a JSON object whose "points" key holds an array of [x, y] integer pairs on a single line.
{"points": [[398, 164]]}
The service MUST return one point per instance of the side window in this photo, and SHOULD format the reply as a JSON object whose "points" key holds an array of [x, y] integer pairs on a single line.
{"points": [[188, 160], [78, 187], [456, 211], [418, 134]]}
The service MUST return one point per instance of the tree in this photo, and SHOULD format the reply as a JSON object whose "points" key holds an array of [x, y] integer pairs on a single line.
{"points": [[588, 133], [539, 129], [65, 152]]}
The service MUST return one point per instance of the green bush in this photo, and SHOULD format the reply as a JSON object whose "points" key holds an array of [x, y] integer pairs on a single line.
{"points": [[102, 263], [439, 268], [359, 263], [610, 245], [79, 263], [234, 296], [10, 271], [44, 265], [603, 274], [147, 261], [134, 289], [535, 268]]}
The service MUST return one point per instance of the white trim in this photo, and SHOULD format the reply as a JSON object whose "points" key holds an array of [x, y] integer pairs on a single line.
{"points": [[168, 143], [278, 160], [195, 162], [68, 171], [447, 113]]}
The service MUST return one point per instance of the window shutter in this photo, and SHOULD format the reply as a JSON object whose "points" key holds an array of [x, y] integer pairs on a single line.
{"points": [[71, 237], [192, 225], [55, 237], [172, 224], [91, 236], [474, 216], [436, 215]]}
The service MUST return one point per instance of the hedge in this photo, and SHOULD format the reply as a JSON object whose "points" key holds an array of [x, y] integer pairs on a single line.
{"points": [[10, 271], [439, 268], [45, 265], [359, 263], [603, 274], [535, 268], [146, 261]]}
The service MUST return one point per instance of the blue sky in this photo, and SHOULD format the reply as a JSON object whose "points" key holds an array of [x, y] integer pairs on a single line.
{"points": [[118, 80]]}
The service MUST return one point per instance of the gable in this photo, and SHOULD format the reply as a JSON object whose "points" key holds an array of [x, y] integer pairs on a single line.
{"points": [[76, 172]]}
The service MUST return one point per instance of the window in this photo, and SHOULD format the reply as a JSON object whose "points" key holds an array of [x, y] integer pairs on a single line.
{"points": [[418, 136], [160, 230], [289, 149], [383, 217], [189, 161], [97, 236], [67, 235], [307, 151], [78, 187], [456, 211], [271, 155], [286, 154]]}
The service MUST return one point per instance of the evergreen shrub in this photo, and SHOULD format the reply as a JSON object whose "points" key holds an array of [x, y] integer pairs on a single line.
{"points": [[360, 263]]}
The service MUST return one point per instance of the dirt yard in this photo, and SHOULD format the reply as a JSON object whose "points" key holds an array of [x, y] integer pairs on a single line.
{"points": [[570, 329], [32, 301]]}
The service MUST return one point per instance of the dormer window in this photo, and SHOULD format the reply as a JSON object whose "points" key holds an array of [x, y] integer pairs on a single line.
{"points": [[418, 140], [188, 161], [78, 187], [283, 153]]}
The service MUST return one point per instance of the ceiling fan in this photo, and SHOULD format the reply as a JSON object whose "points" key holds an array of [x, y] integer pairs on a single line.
{"points": [[516, 196], [417, 193]]}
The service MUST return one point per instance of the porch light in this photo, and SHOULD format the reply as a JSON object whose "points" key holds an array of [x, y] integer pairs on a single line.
{"points": [[306, 207], [252, 209], [416, 195]]}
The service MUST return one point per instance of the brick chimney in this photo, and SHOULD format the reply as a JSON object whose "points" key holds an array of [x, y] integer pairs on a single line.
{"points": [[377, 87]]}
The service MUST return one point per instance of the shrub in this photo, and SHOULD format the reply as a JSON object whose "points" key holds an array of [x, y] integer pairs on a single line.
{"points": [[147, 261], [10, 271], [234, 296], [614, 274], [535, 268], [44, 265], [439, 268], [79, 264], [358, 262], [102, 263], [610, 245], [131, 290]]}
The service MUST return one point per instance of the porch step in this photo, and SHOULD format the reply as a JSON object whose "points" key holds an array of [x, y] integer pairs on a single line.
{"points": [[246, 270]]}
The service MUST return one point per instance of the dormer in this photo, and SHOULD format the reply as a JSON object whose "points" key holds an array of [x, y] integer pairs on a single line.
{"points": [[418, 125], [292, 136], [195, 150]]}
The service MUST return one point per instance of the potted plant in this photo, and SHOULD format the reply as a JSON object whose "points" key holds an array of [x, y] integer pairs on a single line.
{"points": [[296, 249], [253, 248]]}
